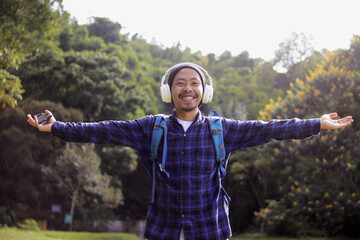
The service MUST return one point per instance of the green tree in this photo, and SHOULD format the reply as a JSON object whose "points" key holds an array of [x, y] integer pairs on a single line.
{"points": [[239, 96], [136, 187], [269, 80], [77, 172], [243, 60], [174, 54], [250, 182], [25, 27], [97, 84], [319, 179], [65, 39], [106, 29], [24, 190], [81, 41], [226, 55]]}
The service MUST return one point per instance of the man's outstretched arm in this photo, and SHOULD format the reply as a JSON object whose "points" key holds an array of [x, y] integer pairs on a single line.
{"points": [[328, 121]]}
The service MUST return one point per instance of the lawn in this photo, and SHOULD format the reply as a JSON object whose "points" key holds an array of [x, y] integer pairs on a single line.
{"points": [[17, 234], [258, 236]]}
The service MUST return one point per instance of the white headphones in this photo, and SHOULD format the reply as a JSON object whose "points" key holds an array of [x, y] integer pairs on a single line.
{"points": [[208, 89]]}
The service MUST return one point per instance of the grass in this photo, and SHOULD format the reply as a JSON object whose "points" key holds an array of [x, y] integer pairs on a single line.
{"points": [[259, 236], [18, 234]]}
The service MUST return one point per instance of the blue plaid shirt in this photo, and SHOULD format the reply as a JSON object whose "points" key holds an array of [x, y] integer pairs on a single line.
{"points": [[192, 198]]}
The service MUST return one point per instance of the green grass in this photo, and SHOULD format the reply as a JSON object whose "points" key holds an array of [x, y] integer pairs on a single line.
{"points": [[17, 234], [258, 236]]}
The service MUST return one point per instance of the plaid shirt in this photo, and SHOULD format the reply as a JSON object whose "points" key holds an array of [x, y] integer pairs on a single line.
{"points": [[192, 198]]}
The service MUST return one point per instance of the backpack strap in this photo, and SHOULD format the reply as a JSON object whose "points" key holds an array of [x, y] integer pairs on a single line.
{"points": [[160, 130], [216, 130]]}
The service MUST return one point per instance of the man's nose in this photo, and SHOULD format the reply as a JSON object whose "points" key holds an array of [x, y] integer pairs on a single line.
{"points": [[187, 87]]}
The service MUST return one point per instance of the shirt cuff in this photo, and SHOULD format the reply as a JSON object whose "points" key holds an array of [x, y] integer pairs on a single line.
{"points": [[55, 128], [317, 125]]}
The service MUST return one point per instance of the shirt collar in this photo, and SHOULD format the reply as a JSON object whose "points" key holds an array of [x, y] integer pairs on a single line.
{"points": [[198, 117]]}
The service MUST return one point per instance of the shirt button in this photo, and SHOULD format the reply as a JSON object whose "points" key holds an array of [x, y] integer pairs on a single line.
{"points": [[182, 152], [185, 135], [183, 215]]}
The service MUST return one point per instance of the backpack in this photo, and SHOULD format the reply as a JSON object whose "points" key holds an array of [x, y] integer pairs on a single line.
{"points": [[160, 131]]}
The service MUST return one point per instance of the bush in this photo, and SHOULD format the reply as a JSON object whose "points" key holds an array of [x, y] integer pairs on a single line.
{"points": [[30, 224], [4, 217]]}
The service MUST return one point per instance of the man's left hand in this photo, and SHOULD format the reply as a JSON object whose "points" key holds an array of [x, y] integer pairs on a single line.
{"points": [[327, 121]]}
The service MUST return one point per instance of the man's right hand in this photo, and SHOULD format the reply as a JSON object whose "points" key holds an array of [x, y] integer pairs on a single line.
{"points": [[45, 126]]}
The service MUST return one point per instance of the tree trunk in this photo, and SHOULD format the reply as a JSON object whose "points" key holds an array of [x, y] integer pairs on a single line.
{"points": [[253, 177], [73, 202]]}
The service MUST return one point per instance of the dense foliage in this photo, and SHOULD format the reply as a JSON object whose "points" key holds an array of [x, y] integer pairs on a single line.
{"points": [[319, 178], [94, 72], [26, 27]]}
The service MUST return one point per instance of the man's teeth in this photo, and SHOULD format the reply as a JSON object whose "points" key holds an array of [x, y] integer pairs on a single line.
{"points": [[188, 98]]}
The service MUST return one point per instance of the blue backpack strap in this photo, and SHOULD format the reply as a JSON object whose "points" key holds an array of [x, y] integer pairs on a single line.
{"points": [[160, 130], [216, 129]]}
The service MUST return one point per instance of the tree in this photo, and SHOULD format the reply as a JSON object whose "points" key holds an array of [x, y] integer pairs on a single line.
{"points": [[106, 29], [174, 54], [294, 59], [319, 179], [243, 60], [293, 50], [25, 26], [77, 172], [97, 84], [239, 96], [80, 40], [24, 190], [250, 182], [37, 170], [226, 55]]}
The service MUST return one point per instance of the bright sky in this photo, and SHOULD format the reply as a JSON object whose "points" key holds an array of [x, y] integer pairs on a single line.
{"points": [[214, 26]]}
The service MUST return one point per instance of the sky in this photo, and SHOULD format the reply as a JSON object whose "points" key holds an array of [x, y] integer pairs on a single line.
{"points": [[215, 26]]}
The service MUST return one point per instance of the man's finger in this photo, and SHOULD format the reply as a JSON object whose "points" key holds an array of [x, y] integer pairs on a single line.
{"points": [[333, 115], [48, 112], [36, 122], [31, 121], [345, 119]]}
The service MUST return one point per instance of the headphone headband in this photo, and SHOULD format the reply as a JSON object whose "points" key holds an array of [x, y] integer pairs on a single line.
{"points": [[208, 89]]}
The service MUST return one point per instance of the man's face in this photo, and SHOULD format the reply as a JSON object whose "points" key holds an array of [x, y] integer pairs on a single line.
{"points": [[187, 90]]}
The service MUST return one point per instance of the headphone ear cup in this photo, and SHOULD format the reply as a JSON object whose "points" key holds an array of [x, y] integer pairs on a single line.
{"points": [[165, 93], [208, 94]]}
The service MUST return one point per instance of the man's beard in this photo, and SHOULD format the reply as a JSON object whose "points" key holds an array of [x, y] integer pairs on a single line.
{"points": [[189, 109]]}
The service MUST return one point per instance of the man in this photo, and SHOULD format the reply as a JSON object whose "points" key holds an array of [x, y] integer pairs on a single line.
{"points": [[189, 199]]}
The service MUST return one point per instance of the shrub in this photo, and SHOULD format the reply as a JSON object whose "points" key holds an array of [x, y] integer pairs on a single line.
{"points": [[30, 224], [4, 217]]}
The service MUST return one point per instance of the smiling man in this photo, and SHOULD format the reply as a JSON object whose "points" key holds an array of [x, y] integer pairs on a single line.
{"points": [[186, 91], [188, 200]]}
